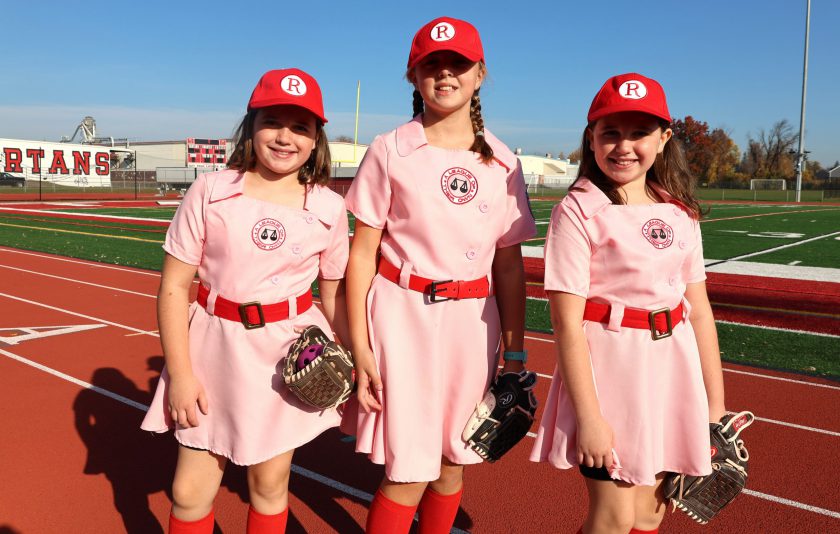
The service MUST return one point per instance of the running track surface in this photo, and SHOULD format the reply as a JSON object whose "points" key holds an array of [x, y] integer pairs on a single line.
{"points": [[74, 460]]}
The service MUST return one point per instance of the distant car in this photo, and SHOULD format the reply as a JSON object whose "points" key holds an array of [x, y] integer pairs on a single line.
{"points": [[10, 179]]}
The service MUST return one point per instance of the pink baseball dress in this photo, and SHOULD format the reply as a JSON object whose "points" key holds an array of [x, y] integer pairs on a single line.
{"points": [[650, 392], [251, 250], [443, 214]]}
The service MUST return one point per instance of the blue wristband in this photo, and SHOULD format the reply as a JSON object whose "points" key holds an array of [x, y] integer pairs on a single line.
{"points": [[515, 356]]}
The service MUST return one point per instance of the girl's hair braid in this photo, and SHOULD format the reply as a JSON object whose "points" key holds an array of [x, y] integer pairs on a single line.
{"points": [[480, 145], [419, 107]]}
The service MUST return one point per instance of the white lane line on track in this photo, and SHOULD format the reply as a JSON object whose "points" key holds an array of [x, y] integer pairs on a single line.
{"points": [[794, 504], [83, 262], [78, 281], [758, 375], [82, 383], [89, 317], [302, 471], [777, 329], [770, 377], [344, 488]]}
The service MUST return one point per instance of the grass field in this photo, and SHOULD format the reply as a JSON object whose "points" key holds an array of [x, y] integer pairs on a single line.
{"points": [[729, 231]]}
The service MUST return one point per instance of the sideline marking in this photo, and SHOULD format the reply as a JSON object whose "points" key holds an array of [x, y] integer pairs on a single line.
{"points": [[312, 475], [83, 214], [766, 215], [91, 318], [80, 233], [774, 249]]}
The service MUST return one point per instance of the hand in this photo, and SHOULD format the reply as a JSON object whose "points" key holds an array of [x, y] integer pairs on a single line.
{"points": [[368, 382], [595, 443], [184, 393]]}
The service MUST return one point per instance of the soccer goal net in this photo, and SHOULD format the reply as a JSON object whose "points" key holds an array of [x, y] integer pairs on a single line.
{"points": [[774, 184]]}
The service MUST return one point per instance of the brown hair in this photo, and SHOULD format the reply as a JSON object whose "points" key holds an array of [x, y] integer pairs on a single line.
{"points": [[480, 145], [316, 170], [669, 171]]}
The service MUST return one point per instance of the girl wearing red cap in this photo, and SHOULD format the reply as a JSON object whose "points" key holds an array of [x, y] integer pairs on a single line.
{"points": [[636, 386], [435, 281], [258, 235]]}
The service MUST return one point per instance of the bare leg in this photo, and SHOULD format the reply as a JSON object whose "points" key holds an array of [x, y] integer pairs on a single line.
{"points": [[198, 475]]}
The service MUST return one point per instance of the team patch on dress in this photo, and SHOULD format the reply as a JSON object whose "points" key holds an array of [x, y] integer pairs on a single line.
{"points": [[658, 233], [459, 185], [268, 234]]}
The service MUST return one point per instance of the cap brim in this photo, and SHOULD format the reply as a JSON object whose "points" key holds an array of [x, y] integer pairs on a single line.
{"points": [[472, 56], [282, 102], [609, 110]]}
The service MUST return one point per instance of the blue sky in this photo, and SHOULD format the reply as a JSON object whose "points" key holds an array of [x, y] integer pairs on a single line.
{"points": [[170, 70]]}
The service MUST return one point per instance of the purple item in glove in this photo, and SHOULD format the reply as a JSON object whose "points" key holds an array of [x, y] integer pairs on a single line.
{"points": [[308, 355]]}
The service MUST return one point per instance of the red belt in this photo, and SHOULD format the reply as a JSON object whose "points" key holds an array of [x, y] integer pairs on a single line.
{"points": [[660, 322], [438, 290], [253, 314]]}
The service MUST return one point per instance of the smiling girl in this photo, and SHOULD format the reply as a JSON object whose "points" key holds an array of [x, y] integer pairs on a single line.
{"points": [[258, 235], [638, 376], [435, 281]]}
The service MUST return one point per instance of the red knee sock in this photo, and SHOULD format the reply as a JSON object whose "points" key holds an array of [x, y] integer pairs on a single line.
{"points": [[437, 512], [266, 524], [388, 517], [637, 531], [200, 526]]}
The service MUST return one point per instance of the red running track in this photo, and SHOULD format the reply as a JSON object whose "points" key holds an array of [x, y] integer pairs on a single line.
{"points": [[74, 459]]}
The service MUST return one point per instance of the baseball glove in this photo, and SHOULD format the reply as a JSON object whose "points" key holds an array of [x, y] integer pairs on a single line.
{"points": [[318, 370], [504, 415], [703, 497]]}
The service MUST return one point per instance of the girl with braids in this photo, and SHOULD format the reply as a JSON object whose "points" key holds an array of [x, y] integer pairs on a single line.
{"points": [[435, 282], [638, 376], [258, 235]]}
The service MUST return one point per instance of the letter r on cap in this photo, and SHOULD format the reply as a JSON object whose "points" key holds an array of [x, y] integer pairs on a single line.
{"points": [[292, 85], [442, 31]]}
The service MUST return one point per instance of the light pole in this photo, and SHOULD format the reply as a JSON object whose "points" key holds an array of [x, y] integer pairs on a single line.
{"points": [[801, 154]]}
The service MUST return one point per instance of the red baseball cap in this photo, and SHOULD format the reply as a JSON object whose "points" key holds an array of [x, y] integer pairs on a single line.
{"points": [[629, 92], [445, 33], [291, 87]]}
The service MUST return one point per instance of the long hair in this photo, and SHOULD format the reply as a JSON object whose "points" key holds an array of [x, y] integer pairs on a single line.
{"points": [[480, 144], [316, 170], [669, 171]]}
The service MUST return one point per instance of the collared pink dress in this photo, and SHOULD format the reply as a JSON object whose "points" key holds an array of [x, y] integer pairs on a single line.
{"points": [[650, 392], [443, 214], [251, 250]]}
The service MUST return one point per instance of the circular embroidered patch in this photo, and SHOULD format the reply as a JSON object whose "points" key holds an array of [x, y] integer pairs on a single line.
{"points": [[268, 234], [658, 233], [459, 185]]}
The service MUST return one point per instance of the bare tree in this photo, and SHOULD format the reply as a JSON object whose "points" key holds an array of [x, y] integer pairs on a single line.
{"points": [[769, 156]]}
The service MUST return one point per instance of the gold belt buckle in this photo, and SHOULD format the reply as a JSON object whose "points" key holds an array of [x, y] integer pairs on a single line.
{"points": [[654, 333]]}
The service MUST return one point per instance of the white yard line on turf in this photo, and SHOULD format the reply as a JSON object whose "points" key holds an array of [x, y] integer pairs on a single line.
{"points": [[302, 471], [780, 247], [344, 488], [86, 215]]}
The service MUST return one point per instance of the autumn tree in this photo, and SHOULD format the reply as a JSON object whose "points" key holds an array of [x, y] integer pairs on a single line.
{"points": [[711, 154]]}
